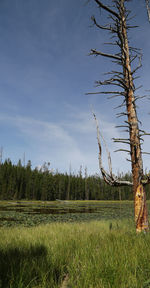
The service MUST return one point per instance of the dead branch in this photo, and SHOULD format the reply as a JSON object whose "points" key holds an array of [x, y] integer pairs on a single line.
{"points": [[117, 93], [121, 105], [118, 81], [108, 28], [101, 5], [121, 126], [123, 150], [108, 178], [114, 72], [139, 97], [97, 53], [108, 156], [139, 65], [118, 115], [121, 141], [145, 134]]}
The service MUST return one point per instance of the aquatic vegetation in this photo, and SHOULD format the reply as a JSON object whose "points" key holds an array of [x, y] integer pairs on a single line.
{"points": [[30, 213]]}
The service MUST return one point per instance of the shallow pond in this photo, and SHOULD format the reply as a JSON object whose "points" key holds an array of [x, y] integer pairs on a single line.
{"points": [[30, 213]]}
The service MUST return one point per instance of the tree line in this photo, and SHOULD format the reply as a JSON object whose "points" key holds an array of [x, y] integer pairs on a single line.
{"points": [[22, 182]]}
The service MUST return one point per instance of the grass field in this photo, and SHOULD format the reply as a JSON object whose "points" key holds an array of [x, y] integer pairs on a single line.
{"points": [[82, 254]]}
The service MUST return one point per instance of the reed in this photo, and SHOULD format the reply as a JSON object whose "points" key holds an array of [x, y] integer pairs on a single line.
{"points": [[97, 254]]}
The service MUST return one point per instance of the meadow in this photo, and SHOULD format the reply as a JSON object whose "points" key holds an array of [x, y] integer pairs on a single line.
{"points": [[79, 251]]}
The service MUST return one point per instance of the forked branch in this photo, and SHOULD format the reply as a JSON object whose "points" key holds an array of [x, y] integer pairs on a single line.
{"points": [[108, 177]]}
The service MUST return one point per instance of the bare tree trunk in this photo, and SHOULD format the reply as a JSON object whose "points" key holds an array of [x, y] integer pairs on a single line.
{"points": [[141, 217]]}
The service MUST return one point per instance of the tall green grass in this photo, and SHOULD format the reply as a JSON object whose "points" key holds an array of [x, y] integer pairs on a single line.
{"points": [[92, 255]]}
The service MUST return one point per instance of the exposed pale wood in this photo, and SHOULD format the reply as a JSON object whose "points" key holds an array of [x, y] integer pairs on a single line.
{"points": [[140, 209]]}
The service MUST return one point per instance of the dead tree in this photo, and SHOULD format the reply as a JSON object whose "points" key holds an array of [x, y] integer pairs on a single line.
{"points": [[123, 79]]}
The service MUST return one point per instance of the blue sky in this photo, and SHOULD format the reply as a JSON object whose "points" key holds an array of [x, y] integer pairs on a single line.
{"points": [[45, 72]]}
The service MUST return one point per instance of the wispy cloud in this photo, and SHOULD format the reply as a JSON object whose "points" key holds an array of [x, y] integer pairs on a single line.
{"points": [[63, 143], [48, 141]]}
